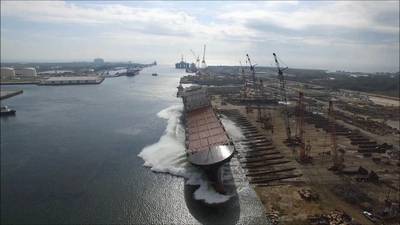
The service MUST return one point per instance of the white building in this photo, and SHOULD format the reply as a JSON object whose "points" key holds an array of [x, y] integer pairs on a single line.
{"points": [[7, 73], [26, 72]]}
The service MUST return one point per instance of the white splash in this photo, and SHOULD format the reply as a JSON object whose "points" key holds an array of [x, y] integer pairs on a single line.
{"points": [[168, 156], [233, 131]]}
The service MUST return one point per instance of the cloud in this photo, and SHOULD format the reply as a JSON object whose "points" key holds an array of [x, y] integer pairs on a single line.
{"points": [[341, 35], [237, 21], [159, 21], [320, 30], [345, 20]]}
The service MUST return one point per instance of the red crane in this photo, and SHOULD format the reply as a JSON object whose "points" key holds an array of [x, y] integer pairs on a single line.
{"points": [[337, 161]]}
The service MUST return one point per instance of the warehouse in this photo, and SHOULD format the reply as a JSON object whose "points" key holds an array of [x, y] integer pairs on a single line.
{"points": [[7, 73], [26, 72]]}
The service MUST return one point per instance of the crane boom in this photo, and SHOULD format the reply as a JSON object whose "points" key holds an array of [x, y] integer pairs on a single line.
{"points": [[194, 54], [197, 58], [252, 69], [283, 97], [203, 62], [241, 68]]}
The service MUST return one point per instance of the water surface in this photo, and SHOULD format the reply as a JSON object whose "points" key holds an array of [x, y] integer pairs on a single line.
{"points": [[70, 156]]}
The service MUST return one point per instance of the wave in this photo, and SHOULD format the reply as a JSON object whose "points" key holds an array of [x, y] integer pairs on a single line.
{"points": [[168, 156]]}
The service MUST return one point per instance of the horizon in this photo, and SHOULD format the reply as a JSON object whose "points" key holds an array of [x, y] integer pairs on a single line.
{"points": [[350, 36], [164, 64]]}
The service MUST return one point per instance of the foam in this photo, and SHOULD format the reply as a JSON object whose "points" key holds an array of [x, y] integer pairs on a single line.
{"points": [[168, 156], [233, 131]]}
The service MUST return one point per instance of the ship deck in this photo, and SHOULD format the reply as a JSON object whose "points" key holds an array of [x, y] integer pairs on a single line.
{"points": [[204, 130]]}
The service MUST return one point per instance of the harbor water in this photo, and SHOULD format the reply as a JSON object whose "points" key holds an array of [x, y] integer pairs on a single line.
{"points": [[109, 154]]}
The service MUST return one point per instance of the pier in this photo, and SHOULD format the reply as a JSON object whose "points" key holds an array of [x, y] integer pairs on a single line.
{"points": [[9, 93]]}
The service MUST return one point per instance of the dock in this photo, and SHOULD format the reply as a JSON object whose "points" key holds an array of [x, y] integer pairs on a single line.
{"points": [[9, 93], [74, 80]]}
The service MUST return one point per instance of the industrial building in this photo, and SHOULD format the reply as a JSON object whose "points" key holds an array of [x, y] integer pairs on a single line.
{"points": [[98, 61], [26, 72], [7, 73]]}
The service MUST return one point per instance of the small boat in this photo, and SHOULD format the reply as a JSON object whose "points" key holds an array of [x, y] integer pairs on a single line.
{"points": [[5, 111], [154, 74]]}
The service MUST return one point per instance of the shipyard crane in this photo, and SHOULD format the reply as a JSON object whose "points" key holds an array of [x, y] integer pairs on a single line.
{"points": [[252, 69], [283, 98], [197, 58], [241, 68], [203, 62], [337, 160]]}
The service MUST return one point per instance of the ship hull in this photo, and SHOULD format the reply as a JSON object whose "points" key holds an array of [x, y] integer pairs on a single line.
{"points": [[215, 176], [207, 143], [131, 74], [211, 158], [8, 112]]}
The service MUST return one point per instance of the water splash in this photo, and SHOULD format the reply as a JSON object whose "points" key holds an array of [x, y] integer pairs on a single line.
{"points": [[168, 156], [232, 129]]}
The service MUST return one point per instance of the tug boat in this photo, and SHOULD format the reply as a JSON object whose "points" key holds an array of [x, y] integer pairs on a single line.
{"points": [[5, 111]]}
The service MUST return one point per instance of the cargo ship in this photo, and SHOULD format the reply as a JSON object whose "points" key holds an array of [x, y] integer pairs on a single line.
{"points": [[207, 143]]}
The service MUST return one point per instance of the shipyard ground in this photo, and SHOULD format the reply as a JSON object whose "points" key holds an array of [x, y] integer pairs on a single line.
{"points": [[341, 192]]}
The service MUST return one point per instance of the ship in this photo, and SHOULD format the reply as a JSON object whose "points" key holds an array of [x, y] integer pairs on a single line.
{"points": [[130, 72], [5, 111], [207, 143]]}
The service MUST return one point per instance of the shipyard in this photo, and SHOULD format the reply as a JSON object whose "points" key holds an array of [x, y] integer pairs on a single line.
{"points": [[200, 112], [314, 155]]}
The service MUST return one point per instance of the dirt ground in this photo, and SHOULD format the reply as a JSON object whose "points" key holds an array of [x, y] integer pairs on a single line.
{"points": [[283, 198]]}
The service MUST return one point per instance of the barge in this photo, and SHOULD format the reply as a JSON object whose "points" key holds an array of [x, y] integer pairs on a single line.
{"points": [[207, 143], [74, 80]]}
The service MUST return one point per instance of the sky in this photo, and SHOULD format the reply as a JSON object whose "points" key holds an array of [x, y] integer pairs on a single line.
{"points": [[338, 35]]}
